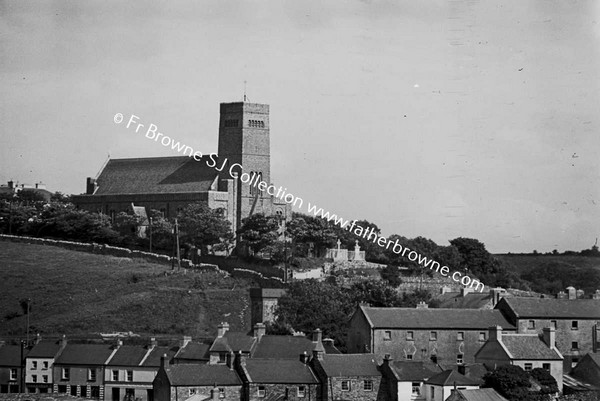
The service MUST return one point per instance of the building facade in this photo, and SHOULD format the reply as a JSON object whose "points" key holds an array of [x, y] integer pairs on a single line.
{"points": [[39, 364]]}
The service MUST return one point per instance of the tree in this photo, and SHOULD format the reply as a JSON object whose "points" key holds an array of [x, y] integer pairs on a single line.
{"points": [[259, 231], [511, 381], [305, 230], [375, 293], [546, 381], [391, 274], [203, 227]]}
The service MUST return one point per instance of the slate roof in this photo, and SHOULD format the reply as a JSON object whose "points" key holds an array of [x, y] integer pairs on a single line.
{"points": [[153, 175], [154, 358], [528, 346], [344, 365], [10, 355], [414, 370], [451, 377], [45, 349], [202, 375], [272, 371], [194, 351], [128, 355], [546, 308], [435, 318], [84, 354], [282, 347], [233, 341], [576, 384], [481, 394]]}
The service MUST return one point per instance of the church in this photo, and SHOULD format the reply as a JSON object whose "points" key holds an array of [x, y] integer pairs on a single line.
{"points": [[169, 184]]}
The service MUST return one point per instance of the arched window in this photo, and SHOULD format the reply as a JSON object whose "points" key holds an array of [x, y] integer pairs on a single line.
{"points": [[254, 182]]}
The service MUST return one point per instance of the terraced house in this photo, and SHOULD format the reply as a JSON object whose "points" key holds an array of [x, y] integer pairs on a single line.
{"points": [[449, 336], [39, 364]]}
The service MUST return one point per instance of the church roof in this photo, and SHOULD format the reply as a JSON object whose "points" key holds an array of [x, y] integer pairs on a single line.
{"points": [[151, 175]]}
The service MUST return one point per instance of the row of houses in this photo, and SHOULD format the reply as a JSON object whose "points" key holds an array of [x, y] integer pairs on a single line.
{"points": [[418, 354]]}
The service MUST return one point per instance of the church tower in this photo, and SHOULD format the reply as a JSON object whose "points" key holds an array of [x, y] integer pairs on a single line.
{"points": [[244, 139]]}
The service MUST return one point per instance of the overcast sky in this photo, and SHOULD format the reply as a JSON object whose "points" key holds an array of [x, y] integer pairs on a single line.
{"points": [[433, 118]]}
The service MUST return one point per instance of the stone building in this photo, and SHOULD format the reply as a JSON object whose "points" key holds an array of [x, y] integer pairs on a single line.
{"points": [[576, 322], [11, 368], [39, 364], [169, 184], [405, 379], [440, 386], [449, 336], [263, 303]]}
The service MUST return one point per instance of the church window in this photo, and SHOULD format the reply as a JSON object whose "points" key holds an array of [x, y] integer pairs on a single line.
{"points": [[256, 124], [254, 182], [231, 123]]}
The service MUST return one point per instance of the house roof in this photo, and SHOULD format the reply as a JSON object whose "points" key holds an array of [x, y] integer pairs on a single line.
{"points": [[435, 318], [155, 175], [45, 349], [528, 346], [344, 365], [202, 375], [267, 292], [576, 384], [481, 394], [128, 355], [194, 351], [153, 358], [233, 341], [554, 308], [10, 355], [414, 370], [84, 354], [475, 371], [451, 377], [279, 371], [282, 347]]}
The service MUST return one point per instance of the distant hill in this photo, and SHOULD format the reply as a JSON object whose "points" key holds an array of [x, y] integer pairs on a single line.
{"points": [[552, 273], [78, 293]]}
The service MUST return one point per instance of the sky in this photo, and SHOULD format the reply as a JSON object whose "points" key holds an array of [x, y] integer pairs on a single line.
{"points": [[442, 119]]}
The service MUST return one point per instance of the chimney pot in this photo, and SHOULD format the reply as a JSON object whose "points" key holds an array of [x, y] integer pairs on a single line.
{"points": [[549, 336]]}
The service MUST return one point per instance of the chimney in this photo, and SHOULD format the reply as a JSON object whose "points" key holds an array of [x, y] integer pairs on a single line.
{"points": [[11, 184], [549, 336], [259, 330], [422, 305], [163, 361], [63, 341], [38, 338], [241, 358], [304, 357], [496, 294], [445, 289], [463, 369], [222, 329], [318, 350], [153, 343], [90, 186], [495, 333], [185, 341], [387, 359], [572, 293]]}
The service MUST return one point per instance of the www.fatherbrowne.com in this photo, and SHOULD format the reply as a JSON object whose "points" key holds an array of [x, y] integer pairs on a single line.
{"points": [[236, 170]]}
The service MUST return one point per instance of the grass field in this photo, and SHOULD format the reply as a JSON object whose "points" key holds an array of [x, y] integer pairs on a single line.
{"points": [[79, 293]]}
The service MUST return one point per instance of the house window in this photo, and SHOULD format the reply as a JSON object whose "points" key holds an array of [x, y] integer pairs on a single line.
{"points": [[410, 335], [62, 389], [432, 393], [345, 385], [387, 335], [45, 365], [221, 392], [301, 391], [531, 324], [222, 357], [261, 392], [574, 361], [34, 378], [482, 336], [115, 375], [368, 385], [574, 325], [433, 335], [416, 388], [13, 374], [409, 357], [459, 359], [546, 367], [34, 365], [553, 324], [45, 378], [65, 374], [574, 345], [528, 367], [130, 375], [92, 374], [460, 336], [192, 391]]}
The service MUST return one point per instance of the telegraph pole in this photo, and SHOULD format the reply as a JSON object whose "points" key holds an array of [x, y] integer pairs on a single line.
{"points": [[150, 229]]}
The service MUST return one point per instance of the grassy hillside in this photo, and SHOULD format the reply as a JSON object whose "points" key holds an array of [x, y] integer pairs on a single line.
{"points": [[552, 273], [79, 293]]}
